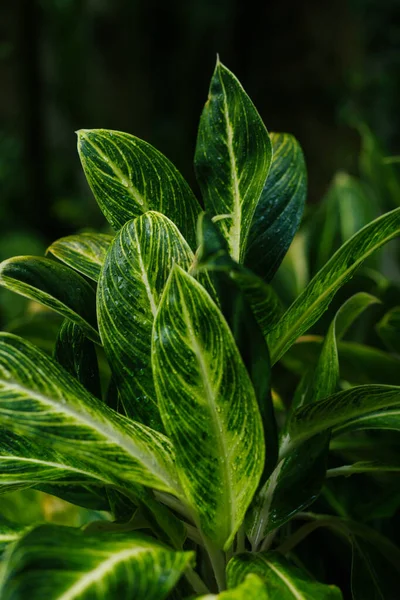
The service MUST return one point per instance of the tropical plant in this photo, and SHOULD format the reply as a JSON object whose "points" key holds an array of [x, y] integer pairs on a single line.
{"points": [[204, 459]]}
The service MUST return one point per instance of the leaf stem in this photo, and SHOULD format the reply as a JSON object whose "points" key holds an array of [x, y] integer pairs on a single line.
{"points": [[217, 560], [174, 504], [196, 581]]}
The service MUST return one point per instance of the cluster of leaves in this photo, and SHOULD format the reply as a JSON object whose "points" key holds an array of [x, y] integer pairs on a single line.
{"points": [[160, 405]]}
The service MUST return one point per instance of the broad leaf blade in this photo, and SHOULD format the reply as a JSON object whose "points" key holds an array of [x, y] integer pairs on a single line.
{"points": [[283, 581], [84, 252], [337, 410], [233, 157], [252, 587], [10, 533], [208, 407], [39, 399], [77, 354], [136, 269], [59, 563], [280, 208], [386, 418], [315, 299], [54, 286], [128, 177]]}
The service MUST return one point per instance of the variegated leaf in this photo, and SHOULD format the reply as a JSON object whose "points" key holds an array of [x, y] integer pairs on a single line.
{"points": [[136, 269], [41, 400], [233, 157], [54, 286], [251, 588], [84, 252], [208, 407], [61, 563], [129, 177]]}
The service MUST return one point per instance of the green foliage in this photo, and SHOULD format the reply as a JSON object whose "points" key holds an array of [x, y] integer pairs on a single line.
{"points": [[159, 406]]}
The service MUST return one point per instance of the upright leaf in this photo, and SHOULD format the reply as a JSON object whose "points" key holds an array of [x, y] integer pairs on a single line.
{"points": [[128, 177], [54, 286], [233, 157], [77, 355], [39, 399], [208, 407], [60, 563], [283, 581], [136, 269], [84, 252], [315, 299], [280, 208]]}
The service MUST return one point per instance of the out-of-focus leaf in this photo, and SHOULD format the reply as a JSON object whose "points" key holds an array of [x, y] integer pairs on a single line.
{"points": [[389, 329], [293, 275], [315, 299], [77, 354], [208, 407], [280, 208], [55, 286], [9, 533], [84, 252], [135, 271], [128, 177], [61, 563], [232, 159], [283, 580]]}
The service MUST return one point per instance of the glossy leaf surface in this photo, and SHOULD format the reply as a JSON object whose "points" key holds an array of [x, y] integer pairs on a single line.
{"points": [[315, 299], [136, 269], [282, 580], [54, 286], [128, 177], [280, 208], [39, 399], [233, 157], [208, 407], [84, 252], [60, 563]]}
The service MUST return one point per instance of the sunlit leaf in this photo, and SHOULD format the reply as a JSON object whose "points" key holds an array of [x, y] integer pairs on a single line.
{"points": [[252, 587], [84, 252]]}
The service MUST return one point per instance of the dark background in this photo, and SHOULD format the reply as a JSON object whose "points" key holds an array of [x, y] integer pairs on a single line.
{"points": [[313, 68]]}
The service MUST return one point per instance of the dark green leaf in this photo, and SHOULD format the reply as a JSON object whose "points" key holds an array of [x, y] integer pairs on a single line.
{"points": [[389, 329], [233, 157], [55, 286], [280, 208], [128, 177]]}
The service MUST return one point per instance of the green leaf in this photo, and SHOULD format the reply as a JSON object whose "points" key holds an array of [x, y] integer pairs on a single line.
{"points": [[251, 588], [365, 467], [232, 159], [337, 410], [84, 252], [135, 271], [389, 329], [9, 533], [293, 275], [54, 286], [282, 580], [386, 418], [59, 563], [128, 177], [280, 208], [315, 299], [359, 364], [208, 407], [39, 399], [237, 287], [77, 355]]}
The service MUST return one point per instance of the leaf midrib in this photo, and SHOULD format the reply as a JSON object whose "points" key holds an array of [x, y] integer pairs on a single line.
{"points": [[285, 580]]}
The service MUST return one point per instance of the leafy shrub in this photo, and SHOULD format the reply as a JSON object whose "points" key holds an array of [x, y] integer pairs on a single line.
{"points": [[206, 460]]}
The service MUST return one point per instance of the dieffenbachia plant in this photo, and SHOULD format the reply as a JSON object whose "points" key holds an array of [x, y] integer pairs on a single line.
{"points": [[205, 474]]}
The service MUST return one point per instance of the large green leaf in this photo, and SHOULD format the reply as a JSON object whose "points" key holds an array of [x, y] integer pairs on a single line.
{"points": [[60, 563], [280, 208], [315, 299], [251, 588], [337, 410], [53, 285], [386, 418], [77, 354], [208, 407], [135, 271], [389, 329], [282, 580], [84, 252], [128, 177], [40, 399], [233, 157]]}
